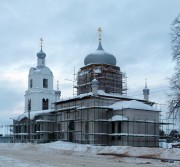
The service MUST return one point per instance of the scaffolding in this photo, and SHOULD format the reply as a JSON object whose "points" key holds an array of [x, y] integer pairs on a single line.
{"points": [[93, 124], [41, 129], [110, 78], [90, 120]]}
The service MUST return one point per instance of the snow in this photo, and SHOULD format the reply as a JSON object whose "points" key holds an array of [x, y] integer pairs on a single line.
{"points": [[84, 148], [83, 72], [117, 118], [133, 104], [131, 134], [167, 145], [97, 71], [43, 131], [67, 108], [10, 161], [21, 134], [41, 120], [101, 93], [115, 95], [32, 114], [84, 84], [76, 97], [60, 148]]}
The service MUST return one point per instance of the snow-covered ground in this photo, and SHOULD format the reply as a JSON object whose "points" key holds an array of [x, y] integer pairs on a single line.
{"points": [[65, 154]]}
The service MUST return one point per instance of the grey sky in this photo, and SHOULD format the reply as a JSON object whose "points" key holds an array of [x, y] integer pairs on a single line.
{"points": [[135, 31]]}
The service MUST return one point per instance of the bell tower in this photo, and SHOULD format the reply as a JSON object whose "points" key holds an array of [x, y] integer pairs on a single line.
{"points": [[40, 94]]}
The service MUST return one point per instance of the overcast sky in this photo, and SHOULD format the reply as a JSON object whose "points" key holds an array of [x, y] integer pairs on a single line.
{"points": [[136, 32]]}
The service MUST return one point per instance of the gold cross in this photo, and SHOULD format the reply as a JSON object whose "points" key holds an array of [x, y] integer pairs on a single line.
{"points": [[100, 33], [41, 42]]}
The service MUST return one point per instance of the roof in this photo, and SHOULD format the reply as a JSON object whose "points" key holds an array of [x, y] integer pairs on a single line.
{"points": [[41, 54], [40, 70], [100, 57], [101, 93], [33, 114], [132, 104]]}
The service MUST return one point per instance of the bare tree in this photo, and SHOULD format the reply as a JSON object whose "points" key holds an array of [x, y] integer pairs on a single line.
{"points": [[175, 39], [175, 79]]}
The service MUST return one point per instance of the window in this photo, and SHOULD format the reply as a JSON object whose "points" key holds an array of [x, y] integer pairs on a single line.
{"points": [[113, 130], [31, 83], [25, 129], [45, 104], [71, 126], [86, 130], [71, 131], [119, 129], [113, 127], [45, 83], [59, 127]]}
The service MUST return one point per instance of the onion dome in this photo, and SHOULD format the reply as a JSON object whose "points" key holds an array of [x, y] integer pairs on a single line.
{"points": [[95, 82], [58, 92], [100, 57], [146, 91], [41, 54]]}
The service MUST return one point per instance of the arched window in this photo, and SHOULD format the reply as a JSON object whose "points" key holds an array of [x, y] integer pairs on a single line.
{"points": [[45, 104], [45, 83]]}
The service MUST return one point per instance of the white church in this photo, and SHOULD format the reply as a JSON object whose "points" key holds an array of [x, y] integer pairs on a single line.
{"points": [[101, 113], [40, 94]]}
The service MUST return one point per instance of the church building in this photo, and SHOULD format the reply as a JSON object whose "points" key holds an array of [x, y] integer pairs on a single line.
{"points": [[40, 94], [100, 114]]}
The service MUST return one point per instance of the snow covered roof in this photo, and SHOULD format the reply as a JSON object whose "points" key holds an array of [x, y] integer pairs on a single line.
{"points": [[32, 114], [133, 104], [40, 70], [76, 97], [101, 93]]}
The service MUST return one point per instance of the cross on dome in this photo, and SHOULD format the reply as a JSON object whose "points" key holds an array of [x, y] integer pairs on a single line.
{"points": [[100, 33], [41, 54], [145, 83], [100, 56], [41, 42]]}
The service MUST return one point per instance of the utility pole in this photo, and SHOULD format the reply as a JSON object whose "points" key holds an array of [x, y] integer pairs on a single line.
{"points": [[29, 108]]}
